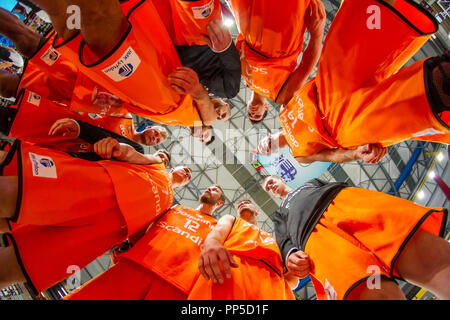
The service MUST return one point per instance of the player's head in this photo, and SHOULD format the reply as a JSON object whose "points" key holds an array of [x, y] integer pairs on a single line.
{"points": [[213, 196], [275, 185], [152, 135], [247, 211], [222, 109], [204, 133], [257, 109], [180, 176], [164, 155]]}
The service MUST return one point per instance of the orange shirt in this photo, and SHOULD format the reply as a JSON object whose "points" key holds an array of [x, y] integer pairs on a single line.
{"points": [[148, 196], [120, 125], [171, 247], [302, 124], [260, 272]]}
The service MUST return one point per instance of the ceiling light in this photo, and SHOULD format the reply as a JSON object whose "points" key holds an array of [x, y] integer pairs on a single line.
{"points": [[440, 156], [228, 22], [421, 195], [432, 174]]}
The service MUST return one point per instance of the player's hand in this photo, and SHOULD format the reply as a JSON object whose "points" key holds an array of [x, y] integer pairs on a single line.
{"points": [[371, 152], [105, 99], [219, 38], [65, 127], [268, 145], [298, 264], [213, 255], [185, 81], [110, 147], [316, 18]]}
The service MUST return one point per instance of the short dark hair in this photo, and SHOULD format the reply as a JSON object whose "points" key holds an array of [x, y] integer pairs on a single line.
{"points": [[253, 122]]}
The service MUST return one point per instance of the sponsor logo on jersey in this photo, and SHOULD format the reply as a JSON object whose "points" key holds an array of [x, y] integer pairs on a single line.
{"points": [[124, 67], [203, 12], [50, 56], [34, 99], [42, 166], [47, 163]]}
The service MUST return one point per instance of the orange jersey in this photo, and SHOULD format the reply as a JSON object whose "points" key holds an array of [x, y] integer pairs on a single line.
{"points": [[260, 272], [171, 247], [127, 280], [186, 21], [150, 195], [136, 70], [362, 234], [270, 41], [49, 254], [46, 85], [88, 96], [302, 124], [120, 125], [34, 118], [360, 93], [54, 77], [140, 192]]}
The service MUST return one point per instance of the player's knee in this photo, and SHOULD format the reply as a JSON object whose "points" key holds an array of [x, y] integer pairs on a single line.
{"points": [[11, 271], [386, 290], [8, 84], [8, 196]]}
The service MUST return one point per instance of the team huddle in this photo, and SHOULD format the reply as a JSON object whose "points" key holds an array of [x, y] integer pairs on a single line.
{"points": [[76, 183]]}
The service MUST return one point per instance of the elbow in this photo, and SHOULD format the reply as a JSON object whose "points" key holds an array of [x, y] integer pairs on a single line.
{"points": [[305, 160]]}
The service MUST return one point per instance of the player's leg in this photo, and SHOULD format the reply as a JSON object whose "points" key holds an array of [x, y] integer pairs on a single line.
{"points": [[438, 78], [8, 84], [425, 262], [25, 40], [8, 196], [4, 226], [102, 23], [388, 290], [10, 272], [57, 11]]}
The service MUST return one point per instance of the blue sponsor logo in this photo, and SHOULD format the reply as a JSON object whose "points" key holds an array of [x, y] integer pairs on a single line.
{"points": [[206, 12], [286, 169], [36, 97], [47, 163], [53, 56], [126, 70]]}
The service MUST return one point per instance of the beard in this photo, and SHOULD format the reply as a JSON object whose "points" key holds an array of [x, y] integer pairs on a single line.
{"points": [[206, 199]]}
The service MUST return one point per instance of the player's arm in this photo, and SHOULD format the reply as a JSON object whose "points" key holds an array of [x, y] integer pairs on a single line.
{"points": [[369, 153], [74, 128], [214, 253], [185, 81], [284, 241], [110, 148], [315, 19]]}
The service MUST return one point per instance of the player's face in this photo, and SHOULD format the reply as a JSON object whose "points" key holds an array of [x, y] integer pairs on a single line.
{"points": [[211, 195], [275, 186], [222, 110], [256, 111], [181, 175], [152, 137], [246, 210]]}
